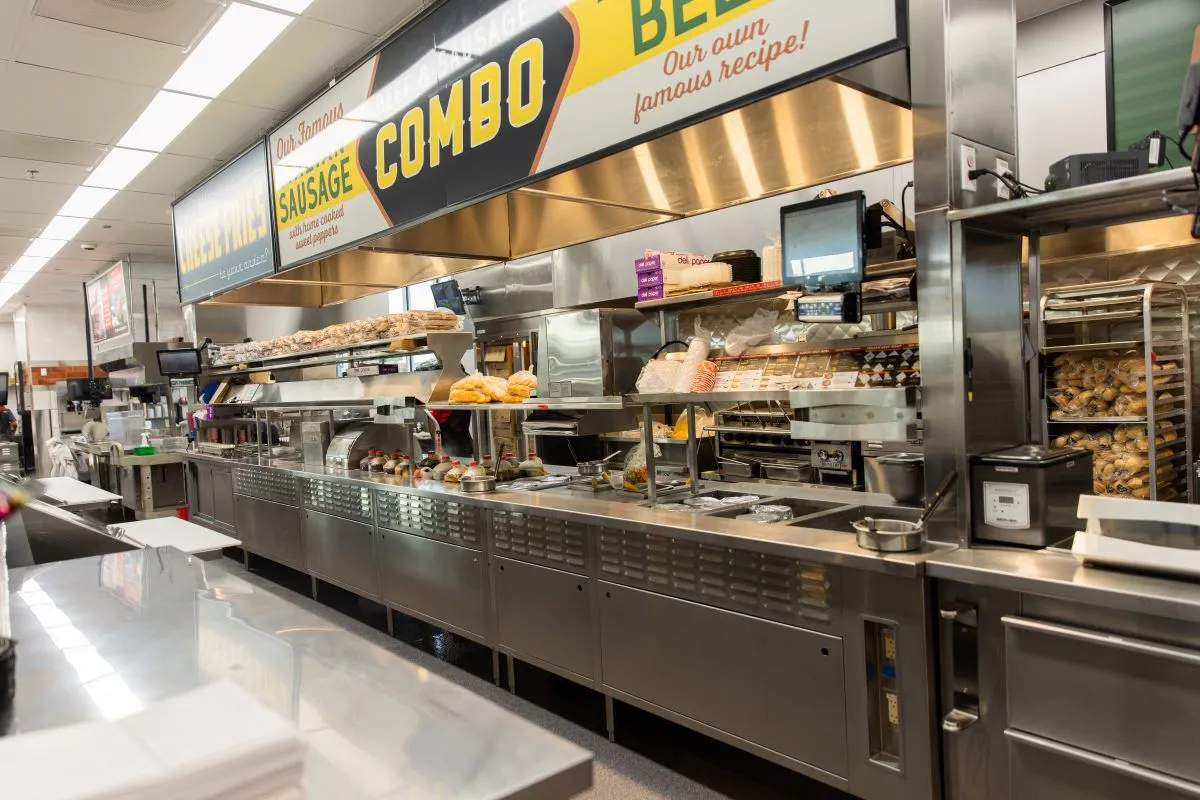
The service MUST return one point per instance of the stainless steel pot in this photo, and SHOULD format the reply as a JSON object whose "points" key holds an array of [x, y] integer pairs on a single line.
{"points": [[902, 475]]}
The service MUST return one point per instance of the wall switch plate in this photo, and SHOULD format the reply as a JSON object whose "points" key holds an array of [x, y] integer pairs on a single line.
{"points": [[966, 163], [1002, 190]]}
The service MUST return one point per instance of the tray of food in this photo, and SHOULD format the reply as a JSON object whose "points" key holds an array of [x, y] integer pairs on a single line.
{"points": [[375, 331]]}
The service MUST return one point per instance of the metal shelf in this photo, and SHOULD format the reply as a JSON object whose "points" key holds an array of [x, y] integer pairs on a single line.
{"points": [[605, 404], [610, 437], [1099, 205], [774, 396], [325, 357], [1116, 420]]}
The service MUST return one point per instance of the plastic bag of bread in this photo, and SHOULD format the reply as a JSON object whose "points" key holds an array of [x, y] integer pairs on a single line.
{"points": [[474, 382], [520, 392], [1129, 405], [494, 388], [472, 396], [523, 378]]}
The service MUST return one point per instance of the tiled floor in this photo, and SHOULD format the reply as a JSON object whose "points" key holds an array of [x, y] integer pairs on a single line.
{"points": [[652, 760]]}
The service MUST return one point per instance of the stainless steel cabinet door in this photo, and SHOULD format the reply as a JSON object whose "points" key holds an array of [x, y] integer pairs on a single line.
{"points": [[441, 582], [222, 496], [202, 503], [341, 551], [546, 614], [269, 529], [778, 687]]}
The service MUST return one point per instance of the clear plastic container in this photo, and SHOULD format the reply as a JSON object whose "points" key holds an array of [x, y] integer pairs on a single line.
{"points": [[126, 427], [475, 470], [439, 472], [404, 468], [489, 468], [365, 464], [455, 474], [390, 465], [507, 469], [533, 467], [377, 461]]}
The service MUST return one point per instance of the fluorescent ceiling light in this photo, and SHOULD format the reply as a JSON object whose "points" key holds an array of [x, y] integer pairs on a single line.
{"points": [[65, 228], [167, 115], [44, 248], [118, 168], [29, 264], [86, 202], [241, 34], [291, 6]]}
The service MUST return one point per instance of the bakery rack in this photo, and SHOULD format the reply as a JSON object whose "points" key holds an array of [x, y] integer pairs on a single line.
{"points": [[416, 344], [1144, 323]]}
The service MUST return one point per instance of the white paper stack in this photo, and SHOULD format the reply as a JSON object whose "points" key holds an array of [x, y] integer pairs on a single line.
{"points": [[214, 742]]}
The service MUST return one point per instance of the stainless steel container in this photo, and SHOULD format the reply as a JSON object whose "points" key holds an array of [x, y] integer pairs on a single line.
{"points": [[901, 475], [1028, 495], [597, 352], [314, 438]]}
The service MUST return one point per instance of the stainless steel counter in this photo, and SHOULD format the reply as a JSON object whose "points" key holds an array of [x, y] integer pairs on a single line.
{"points": [[610, 508], [102, 637], [1051, 573]]}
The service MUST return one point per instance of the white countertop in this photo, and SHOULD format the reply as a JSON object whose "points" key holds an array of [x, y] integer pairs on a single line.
{"points": [[179, 533], [72, 492]]}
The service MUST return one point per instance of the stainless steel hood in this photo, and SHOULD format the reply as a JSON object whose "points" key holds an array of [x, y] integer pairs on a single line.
{"points": [[813, 134], [134, 364]]}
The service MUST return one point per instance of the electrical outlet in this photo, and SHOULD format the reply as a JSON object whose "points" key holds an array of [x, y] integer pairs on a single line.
{"points": [[966, 163], [1002, 190]]}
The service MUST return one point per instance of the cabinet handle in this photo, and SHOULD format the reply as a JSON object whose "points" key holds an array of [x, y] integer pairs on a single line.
{"points": [[1138, 646], [1142, 774]]}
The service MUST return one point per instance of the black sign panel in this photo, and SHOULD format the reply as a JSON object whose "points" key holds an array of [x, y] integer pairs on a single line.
{"points": [[223, 230]]}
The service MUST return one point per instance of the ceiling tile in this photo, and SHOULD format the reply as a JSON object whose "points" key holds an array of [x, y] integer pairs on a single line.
{"points": [[12, 248], [75, 267], [33, 197], [47, 171], [173, 175], [374, 17], [47, 148], [88, 51], [84, 108], [12, 14], [280, 81], [158, 20], [223, 130], [126, 234], [19, 223], [137, 207]]}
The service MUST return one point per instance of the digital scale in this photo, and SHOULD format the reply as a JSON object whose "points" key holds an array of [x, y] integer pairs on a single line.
{"points": [[824, 255], [829, 307]]}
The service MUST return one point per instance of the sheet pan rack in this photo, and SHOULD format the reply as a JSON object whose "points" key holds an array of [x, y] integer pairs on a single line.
{"points": [[1117, 380]]}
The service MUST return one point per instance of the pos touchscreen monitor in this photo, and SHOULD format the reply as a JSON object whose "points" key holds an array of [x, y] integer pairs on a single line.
{"points": [[824, 243]]}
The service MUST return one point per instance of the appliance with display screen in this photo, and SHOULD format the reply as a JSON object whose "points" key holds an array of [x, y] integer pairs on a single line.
{"points": [[3, 388], [446, 294], [177, 363], [83, 390], [1028, 495], [825, 256]]}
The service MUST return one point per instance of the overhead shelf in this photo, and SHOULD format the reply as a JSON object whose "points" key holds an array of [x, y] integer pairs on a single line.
{"points": [[535, 404], [706, 397], [325, 356], [1102, 204]]}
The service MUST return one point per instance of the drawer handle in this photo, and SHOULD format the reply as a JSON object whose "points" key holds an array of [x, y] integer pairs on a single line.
{"points": [[1142, 774], [1139, 646]]}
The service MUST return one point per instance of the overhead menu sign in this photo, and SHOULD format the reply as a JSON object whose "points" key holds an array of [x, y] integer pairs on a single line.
{"points": [[110, 312], [223, 236], [481, 96]]}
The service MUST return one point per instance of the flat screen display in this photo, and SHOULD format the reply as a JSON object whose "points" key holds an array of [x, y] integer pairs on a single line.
{"points": [[823, 244], [447, 295], [110, 310], [3, 388], [80, 389], [179, 362]]}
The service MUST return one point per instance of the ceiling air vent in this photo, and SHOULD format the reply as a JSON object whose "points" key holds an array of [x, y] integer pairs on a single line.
{"points": [[138, 6]]}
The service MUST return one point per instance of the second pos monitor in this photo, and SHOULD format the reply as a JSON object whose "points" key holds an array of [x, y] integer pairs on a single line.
{"points": [[825, 255]]}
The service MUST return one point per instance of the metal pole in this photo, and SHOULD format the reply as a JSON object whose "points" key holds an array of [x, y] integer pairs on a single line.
{"points": [[1037, 407], [693, 458], [87, 334], [648, 443]]}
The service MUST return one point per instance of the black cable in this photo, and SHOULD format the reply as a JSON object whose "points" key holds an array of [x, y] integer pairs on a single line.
{"points": [[904, 210], [1015, 187]]}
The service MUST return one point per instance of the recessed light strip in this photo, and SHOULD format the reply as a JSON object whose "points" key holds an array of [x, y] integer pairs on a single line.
{"points": [[232, 44]]}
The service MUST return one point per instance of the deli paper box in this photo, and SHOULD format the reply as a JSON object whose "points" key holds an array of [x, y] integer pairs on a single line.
{"points": [[651, 278], [662, 259], [651, 293]]}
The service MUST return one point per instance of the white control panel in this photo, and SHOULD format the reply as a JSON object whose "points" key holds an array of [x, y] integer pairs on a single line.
{"points": [[1006, 505]]}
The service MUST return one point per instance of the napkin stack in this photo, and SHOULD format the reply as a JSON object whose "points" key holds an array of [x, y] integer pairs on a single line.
{"points": [[213, 742]]}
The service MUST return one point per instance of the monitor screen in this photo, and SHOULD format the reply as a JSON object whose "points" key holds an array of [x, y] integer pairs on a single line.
{"points": [[447, 295], [3, 388], [81, 389], [179, 362], [823, 244]]}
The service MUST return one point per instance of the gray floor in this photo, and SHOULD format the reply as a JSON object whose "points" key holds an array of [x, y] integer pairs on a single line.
{"points": [[620, 774]]}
